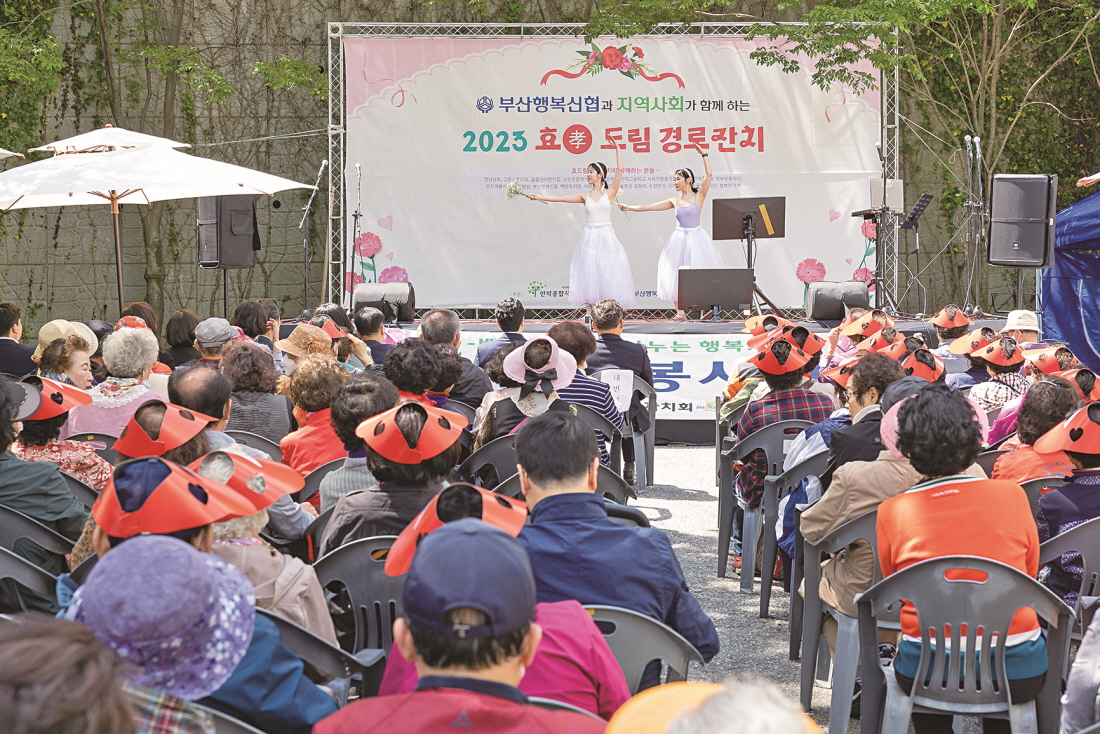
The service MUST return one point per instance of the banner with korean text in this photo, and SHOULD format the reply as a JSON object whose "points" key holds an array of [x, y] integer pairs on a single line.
{"points": [[689, 370], [442, 126]]}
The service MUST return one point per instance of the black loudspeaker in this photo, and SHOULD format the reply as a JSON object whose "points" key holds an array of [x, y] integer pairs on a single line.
{"points": [[831, 301], [396, 301], [228, 237], [1021, 222]]}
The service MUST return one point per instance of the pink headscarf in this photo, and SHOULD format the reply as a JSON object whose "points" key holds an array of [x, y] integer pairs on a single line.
{"points": [[888, 428]]}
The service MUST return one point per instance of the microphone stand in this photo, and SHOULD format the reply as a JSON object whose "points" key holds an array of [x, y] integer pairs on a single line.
{"points": [[881, 296], [306, 210], [357, 215]]}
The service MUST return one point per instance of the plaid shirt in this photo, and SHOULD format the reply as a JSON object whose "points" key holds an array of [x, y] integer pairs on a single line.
{"points": [[796, 403], [158, 712], [998, 390]]}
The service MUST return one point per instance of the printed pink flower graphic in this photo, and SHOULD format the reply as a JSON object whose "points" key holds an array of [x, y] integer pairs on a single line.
{"points": [[351, 280], [810, 271], [868, 229], [863, 274], [368, 244], [394, 274], [627, 65]]}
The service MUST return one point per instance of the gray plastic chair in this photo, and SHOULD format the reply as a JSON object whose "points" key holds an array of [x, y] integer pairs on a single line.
{"points": [[991, 416], [987, 459], [313, 479], [959, 687], [775, 488], [797, 603], [625, 515], [80, 574], [22, 571], [459, 407], [510, 487], [723, 429], [608, 484], [643, 459], [552, 705], [254, 441], [1034, 490], [774, 441], [500, 454], [613, 438], [1085, 540], [375, 597], [329, 659], [15, 526], [85, 494], [226, 724], [635, 639], [847, 642], [101, 442]]}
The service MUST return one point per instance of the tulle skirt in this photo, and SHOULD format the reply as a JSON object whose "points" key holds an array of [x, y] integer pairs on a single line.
{"points": [[600, 268], [685, 248]]}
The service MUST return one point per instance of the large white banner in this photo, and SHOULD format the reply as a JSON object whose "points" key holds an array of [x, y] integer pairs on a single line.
{"points": [[441, 126], [689, 370]]}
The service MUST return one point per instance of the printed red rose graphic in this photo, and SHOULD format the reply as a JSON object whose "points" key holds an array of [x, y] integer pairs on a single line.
{"points": [[611, 58], [638, 52], [627, 60]]}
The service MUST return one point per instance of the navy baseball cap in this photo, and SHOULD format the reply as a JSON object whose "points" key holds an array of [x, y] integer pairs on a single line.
{"points": [[469, 563]]}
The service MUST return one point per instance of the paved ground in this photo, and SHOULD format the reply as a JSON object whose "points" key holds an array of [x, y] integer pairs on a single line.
{"points": [[684, 504]]}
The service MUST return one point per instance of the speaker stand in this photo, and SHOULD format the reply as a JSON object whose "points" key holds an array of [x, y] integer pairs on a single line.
{"points": [[749, 231]]}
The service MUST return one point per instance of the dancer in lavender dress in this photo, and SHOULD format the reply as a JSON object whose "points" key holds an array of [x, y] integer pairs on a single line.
{"points": [[600, 268], [689, 246]]}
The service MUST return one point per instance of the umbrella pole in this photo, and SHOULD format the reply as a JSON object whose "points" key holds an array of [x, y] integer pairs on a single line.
{"points": [[118, 252]]}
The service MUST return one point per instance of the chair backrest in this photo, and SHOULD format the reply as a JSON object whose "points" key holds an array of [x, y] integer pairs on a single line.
{"points": [[375, 597], [257, 442], [26, 573], [611, 485], [992, 415], [626, 515], [101, 442], [551, 705], [1034, 490], [596, 421], [987, 459], [510, 487], [316, 529], [85, 494], [80, 574], [15, 526], [786, 482], [226, 724], [1082, 539], [858, 528], [984, 607], [640, 385], [462, 408], [636, 639], [313, 479], [774, 440], [327, 658], [500, 453]]}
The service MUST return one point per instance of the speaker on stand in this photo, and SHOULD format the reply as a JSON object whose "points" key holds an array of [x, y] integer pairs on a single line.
{"points": [[396, 301], [228, 236], [1021, 224]]}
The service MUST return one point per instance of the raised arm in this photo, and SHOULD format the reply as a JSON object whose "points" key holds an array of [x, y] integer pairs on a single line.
{"points": [[660, 206], [704, 187], [614, 192], [570, 199]]}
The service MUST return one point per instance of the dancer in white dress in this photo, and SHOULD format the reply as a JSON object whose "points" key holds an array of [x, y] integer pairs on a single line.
{"points": [[689, 245], [600, 268]]}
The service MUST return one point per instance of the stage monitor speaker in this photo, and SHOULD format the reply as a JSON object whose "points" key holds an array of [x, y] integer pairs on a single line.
{"points": [[396, 301], [1021, 222], [832, 301], [228, 236]]}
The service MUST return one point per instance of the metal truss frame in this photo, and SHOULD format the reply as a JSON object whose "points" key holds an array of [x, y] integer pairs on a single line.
{"points": [[336, 248]]}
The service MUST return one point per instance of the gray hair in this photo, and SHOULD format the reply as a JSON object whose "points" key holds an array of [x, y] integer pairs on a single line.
{"points": [[440, 326], [743, 706], [129, 352], [248, 526]]}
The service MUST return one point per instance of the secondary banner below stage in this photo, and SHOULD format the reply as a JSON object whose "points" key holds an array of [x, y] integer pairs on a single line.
{"points": [[440, 128], [689, 370]]}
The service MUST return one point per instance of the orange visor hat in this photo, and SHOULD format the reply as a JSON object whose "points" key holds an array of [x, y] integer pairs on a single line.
{"points": [[151, 495], [877, 343], [941, 320], [1080, 432], [970, 343], [864, 326], [499, 511], [767, 361], [1071, 375], [333, 330], [260, 481], [57, 398], [842, 373], [915, 368], [441, 429], [995, 353], [179, 426], [757, 325]]}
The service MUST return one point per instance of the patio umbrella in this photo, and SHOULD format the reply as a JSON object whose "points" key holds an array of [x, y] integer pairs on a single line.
{"points": [[139, 175], [8, 154], [1088, 180], [106, 138]]}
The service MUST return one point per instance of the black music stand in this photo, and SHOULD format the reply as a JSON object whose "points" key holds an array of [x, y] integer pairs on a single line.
{"points": [[913, 222], [751, 219], [710, 289]]}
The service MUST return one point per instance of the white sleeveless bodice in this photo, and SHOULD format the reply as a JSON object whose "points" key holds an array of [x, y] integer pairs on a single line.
{"points": [[599, 211]]}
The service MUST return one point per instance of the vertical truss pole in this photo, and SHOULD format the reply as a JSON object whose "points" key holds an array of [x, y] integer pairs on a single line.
{"points": [[891, 150], [336, 250]]}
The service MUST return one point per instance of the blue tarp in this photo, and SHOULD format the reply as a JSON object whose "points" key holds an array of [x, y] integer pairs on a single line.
{"points": [[1071, 286]]}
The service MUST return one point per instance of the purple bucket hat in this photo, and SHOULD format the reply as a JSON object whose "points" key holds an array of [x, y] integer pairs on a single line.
{"points": [[181, 619], [555, 374]]}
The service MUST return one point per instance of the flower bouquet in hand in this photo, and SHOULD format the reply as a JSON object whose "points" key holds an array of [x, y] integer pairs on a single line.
{"points": [[514, 190]]}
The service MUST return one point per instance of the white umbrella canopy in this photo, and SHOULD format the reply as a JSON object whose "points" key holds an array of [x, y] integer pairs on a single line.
{"points": [[1089, 180], [8, 154], [132, 175], [106, 138]]}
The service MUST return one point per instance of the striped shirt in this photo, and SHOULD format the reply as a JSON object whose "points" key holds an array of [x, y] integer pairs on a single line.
{"points": [[592, 393]]}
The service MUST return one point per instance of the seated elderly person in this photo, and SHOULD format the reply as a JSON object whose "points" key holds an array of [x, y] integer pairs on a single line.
{"points": [[179, 332], [413, 366], [968, 346], [1046, 404], [68, 360], [129, 355], [1003, 360], [256, 407], [311, 386], [951, 323], [361, 397], [304, 341], [450, 372], [40, 439]]}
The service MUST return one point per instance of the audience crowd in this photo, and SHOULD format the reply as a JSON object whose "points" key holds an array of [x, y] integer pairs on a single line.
{"points": [[246, 453]]}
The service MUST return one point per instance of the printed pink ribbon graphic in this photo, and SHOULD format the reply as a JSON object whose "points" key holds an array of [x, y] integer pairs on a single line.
{"points": [[627, 60]]}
